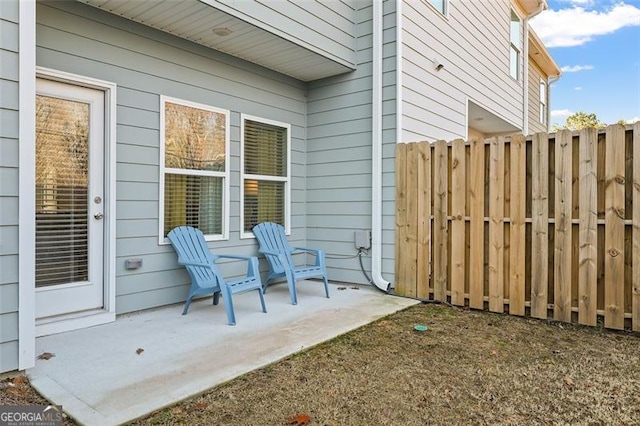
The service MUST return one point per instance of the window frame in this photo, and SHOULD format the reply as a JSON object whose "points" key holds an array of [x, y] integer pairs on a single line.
{"points": [[544, 88], [162, 240], [286, 179], [445, 7], [513, 47]]}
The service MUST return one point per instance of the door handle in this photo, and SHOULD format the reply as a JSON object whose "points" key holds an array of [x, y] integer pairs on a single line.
{"points": [[98, 215]]}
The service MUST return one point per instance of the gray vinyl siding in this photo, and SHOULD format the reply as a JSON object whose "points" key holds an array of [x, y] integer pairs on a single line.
{"points": [[535, 74], [473, 44], [325, 27], [9, 103], [339, 155], [145, 64]]}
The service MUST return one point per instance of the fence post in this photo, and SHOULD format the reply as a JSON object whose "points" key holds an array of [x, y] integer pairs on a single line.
{"points": [[635, 313]]}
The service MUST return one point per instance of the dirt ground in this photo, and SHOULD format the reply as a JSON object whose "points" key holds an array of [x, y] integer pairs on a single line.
{"points": [[468, 367]]}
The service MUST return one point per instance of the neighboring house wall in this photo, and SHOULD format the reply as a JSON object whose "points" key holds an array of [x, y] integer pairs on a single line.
{"points": [[323, 27], [473, 44], [9, 104], [535, 74], [145, 64]]}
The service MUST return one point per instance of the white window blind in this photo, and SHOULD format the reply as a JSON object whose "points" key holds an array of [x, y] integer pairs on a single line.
{"points": [[265, 173], [62, 143], [195, 167]]}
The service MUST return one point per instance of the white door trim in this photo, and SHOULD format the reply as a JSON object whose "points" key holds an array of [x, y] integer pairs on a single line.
{"points": [[108, 313], [27, 177], [26, 302]]}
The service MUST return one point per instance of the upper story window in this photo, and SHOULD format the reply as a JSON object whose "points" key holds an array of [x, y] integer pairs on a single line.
{"points": [[543, 102], [516, 43], [440, 5], [194, 168], [266, 172]]}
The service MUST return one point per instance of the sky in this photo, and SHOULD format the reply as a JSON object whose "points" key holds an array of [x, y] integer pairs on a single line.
{"points": [[596, 43]]}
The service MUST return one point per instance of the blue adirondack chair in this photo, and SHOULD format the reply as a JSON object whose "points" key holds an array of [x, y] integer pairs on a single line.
{"points": [[194, 254], [278, 252]]}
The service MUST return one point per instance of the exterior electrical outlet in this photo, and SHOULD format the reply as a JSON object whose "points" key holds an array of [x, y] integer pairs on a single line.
{"points": [[363, 239]]}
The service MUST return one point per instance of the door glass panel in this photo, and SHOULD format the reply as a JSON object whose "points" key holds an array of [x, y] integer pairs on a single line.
{"points": [[62, 162]]}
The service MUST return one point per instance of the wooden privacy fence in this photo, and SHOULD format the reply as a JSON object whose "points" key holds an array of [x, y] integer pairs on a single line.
{"points": [[547, 226]]}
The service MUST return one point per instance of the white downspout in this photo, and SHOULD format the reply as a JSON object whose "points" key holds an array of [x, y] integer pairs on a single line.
{"points": [[525, 78], [376, 152], [549, 83]]}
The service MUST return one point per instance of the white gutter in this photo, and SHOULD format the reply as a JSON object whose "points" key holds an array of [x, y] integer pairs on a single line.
{"points": [[376, 152], [525, 78]]}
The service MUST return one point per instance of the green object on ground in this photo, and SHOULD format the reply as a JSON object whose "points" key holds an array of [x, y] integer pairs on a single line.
{"points": [[420, 327]]}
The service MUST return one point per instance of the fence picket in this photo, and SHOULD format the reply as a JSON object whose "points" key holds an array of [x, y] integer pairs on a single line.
{"points": [[458, 213], [411, 256], [594, 269], [440, 201], [540, 226], [401, 219], [635, 280], [424, 219], [517, 235], [614, 228], [562, 235], [496, 225], [588, 229], [476, 228]]}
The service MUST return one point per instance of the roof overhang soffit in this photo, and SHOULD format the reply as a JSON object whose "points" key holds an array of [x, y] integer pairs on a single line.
{"points": [[541, 56], [196, 20]]}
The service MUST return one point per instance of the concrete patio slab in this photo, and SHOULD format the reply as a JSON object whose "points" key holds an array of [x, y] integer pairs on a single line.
{"points": [[100, 379]]}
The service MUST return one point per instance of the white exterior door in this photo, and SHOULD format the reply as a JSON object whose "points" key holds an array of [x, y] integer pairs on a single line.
{"points": [[69, 205]]}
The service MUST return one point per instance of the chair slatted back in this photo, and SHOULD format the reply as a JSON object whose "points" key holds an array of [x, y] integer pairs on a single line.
{"points": [[271, 236], [191, 246]]}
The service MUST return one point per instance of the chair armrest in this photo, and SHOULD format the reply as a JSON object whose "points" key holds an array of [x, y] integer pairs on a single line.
{"points": [[191, 263], [271, 252], [231, 256], [252, 262], [319, 254], [309, 250]]}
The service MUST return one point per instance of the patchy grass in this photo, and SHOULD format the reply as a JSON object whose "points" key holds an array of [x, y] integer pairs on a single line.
{"points": [[468, 367]]}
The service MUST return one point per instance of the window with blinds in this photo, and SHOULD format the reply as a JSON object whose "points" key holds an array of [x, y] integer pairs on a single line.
{"points": [[515, 38], [62, 162], [265, 172], [194, 176]]}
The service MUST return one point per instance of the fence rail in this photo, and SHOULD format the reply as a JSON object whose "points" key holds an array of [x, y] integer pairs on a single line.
{"points": [[546, 226]]}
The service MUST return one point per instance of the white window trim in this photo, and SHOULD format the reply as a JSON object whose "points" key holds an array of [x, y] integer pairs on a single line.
{"points": [[286, 180], [444, 14], [225, 175]]}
